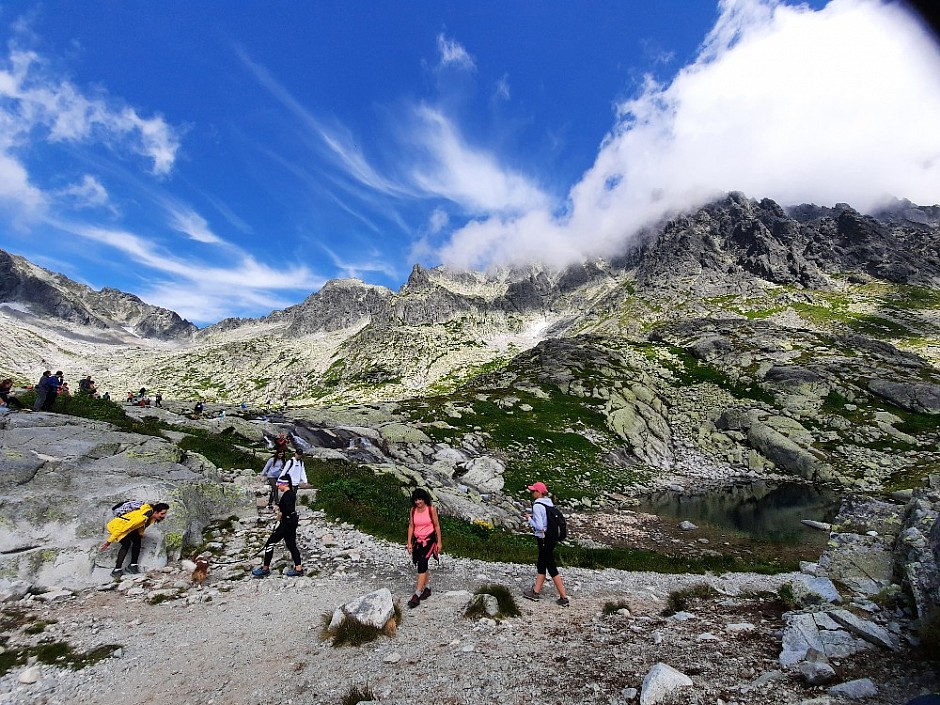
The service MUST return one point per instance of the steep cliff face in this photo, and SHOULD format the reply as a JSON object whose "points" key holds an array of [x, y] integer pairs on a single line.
{"points": [[341, 303], [39, 292]]}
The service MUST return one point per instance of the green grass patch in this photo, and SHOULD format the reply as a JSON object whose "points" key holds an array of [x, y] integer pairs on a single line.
{"points": [[353, 633], [378, 505], [87, 407], [57, 653], [681, 600], [688, 370], [222, 450], [38, 627], [504, 599]]}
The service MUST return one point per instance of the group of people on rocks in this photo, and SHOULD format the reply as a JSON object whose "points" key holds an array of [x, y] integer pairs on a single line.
{"points": [[49, 388], [142, 398]]}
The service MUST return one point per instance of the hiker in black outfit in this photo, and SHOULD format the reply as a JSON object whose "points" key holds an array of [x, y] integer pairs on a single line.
{"points": [[52, 383], [285, 531]]}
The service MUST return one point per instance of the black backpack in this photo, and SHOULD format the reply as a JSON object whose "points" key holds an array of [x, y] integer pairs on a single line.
{"points": [[556, 528]]}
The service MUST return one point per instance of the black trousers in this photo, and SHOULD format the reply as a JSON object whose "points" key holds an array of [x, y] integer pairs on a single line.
{"points": [[285, 531], [546, 560], [49, 401], [14, 403], [132, 542]]}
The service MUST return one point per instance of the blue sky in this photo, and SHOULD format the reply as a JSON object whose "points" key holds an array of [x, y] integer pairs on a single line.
{"points": [[226, 159]]}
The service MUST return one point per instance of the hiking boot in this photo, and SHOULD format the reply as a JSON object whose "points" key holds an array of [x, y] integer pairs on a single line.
{"points": [[562, 602], [292, 573], [132, 568], [531, 594], [261, 572], [426, 593], [414, 601], [117, 572]]}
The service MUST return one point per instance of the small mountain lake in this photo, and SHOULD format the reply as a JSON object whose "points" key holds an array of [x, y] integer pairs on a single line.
{"points": [[763, 511]]}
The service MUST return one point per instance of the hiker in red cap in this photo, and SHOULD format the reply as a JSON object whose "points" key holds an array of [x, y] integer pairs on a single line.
{"points": [[538, 520]]}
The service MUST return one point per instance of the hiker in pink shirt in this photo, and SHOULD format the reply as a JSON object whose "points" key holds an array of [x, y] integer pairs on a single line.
{"points": [[424, 541]]}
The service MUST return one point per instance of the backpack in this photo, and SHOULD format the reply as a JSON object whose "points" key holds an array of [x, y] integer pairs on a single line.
{"points": [[556, 528], [125, 507]]}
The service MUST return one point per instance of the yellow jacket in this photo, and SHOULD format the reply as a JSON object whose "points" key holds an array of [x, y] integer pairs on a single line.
{"points": [[136, 520]]}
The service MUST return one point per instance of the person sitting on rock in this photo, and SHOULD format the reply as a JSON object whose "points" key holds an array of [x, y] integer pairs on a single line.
{"points": [[128, 529], [286, 531], [6, 395]]}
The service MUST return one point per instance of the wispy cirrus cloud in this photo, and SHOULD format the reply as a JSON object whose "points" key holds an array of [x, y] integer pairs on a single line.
{"points": [[87, 193], [195, 290], [446, 166], [434, 160], [783, 101], [339, 142], [453, 54]]}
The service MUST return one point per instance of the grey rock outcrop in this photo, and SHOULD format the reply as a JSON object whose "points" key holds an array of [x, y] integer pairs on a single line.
{"points": [[60, 477]]}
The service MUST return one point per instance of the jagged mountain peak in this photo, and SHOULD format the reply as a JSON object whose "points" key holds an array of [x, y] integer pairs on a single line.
{"points": [[33, 291]]}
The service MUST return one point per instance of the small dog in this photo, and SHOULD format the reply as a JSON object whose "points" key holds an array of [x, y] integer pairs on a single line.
{"points": [[201, 571]]}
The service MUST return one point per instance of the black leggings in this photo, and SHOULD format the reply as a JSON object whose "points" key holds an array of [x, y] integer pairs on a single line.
{"points": [[546, 559], [132, 542], [272, 495], [13, 403], [285, 531]]}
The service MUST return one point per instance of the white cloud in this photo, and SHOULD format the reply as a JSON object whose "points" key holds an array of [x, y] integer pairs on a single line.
{"points": [[16, 190], [39, 106], [198, 291], [372, 262], [190, 223], [447, 167], [454, 54], [502, 90], [839, 104], [438, 221], [88, 193]]}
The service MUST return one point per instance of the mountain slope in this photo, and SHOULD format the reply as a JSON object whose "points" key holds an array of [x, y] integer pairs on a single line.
{"points": [[30, 291]]}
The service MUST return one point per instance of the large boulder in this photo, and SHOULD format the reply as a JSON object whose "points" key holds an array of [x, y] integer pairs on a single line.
{"points": [[914, 396], [60, 476], [786, 454]]}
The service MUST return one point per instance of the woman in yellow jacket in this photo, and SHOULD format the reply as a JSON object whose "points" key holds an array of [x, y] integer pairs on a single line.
{"points": [[128, 529]]}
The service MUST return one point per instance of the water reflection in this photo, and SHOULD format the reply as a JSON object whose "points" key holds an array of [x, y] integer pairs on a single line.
{"points": [[764, 511]]}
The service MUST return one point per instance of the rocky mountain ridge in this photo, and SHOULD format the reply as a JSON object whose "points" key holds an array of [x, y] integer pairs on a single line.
{"points": [[734, 340], [30, 291]]}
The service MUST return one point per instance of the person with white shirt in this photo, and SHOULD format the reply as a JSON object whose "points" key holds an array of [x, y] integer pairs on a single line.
{"points": [[294, 468]]}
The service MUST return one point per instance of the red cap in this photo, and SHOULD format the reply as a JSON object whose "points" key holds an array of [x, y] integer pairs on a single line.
{"points": [[538, 487]]}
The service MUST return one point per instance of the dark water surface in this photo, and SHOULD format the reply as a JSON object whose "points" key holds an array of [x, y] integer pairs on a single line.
{"points": [[762, 510]]}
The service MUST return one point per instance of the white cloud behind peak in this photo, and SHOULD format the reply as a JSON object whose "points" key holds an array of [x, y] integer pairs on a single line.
{"points": [[799, 105]]}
